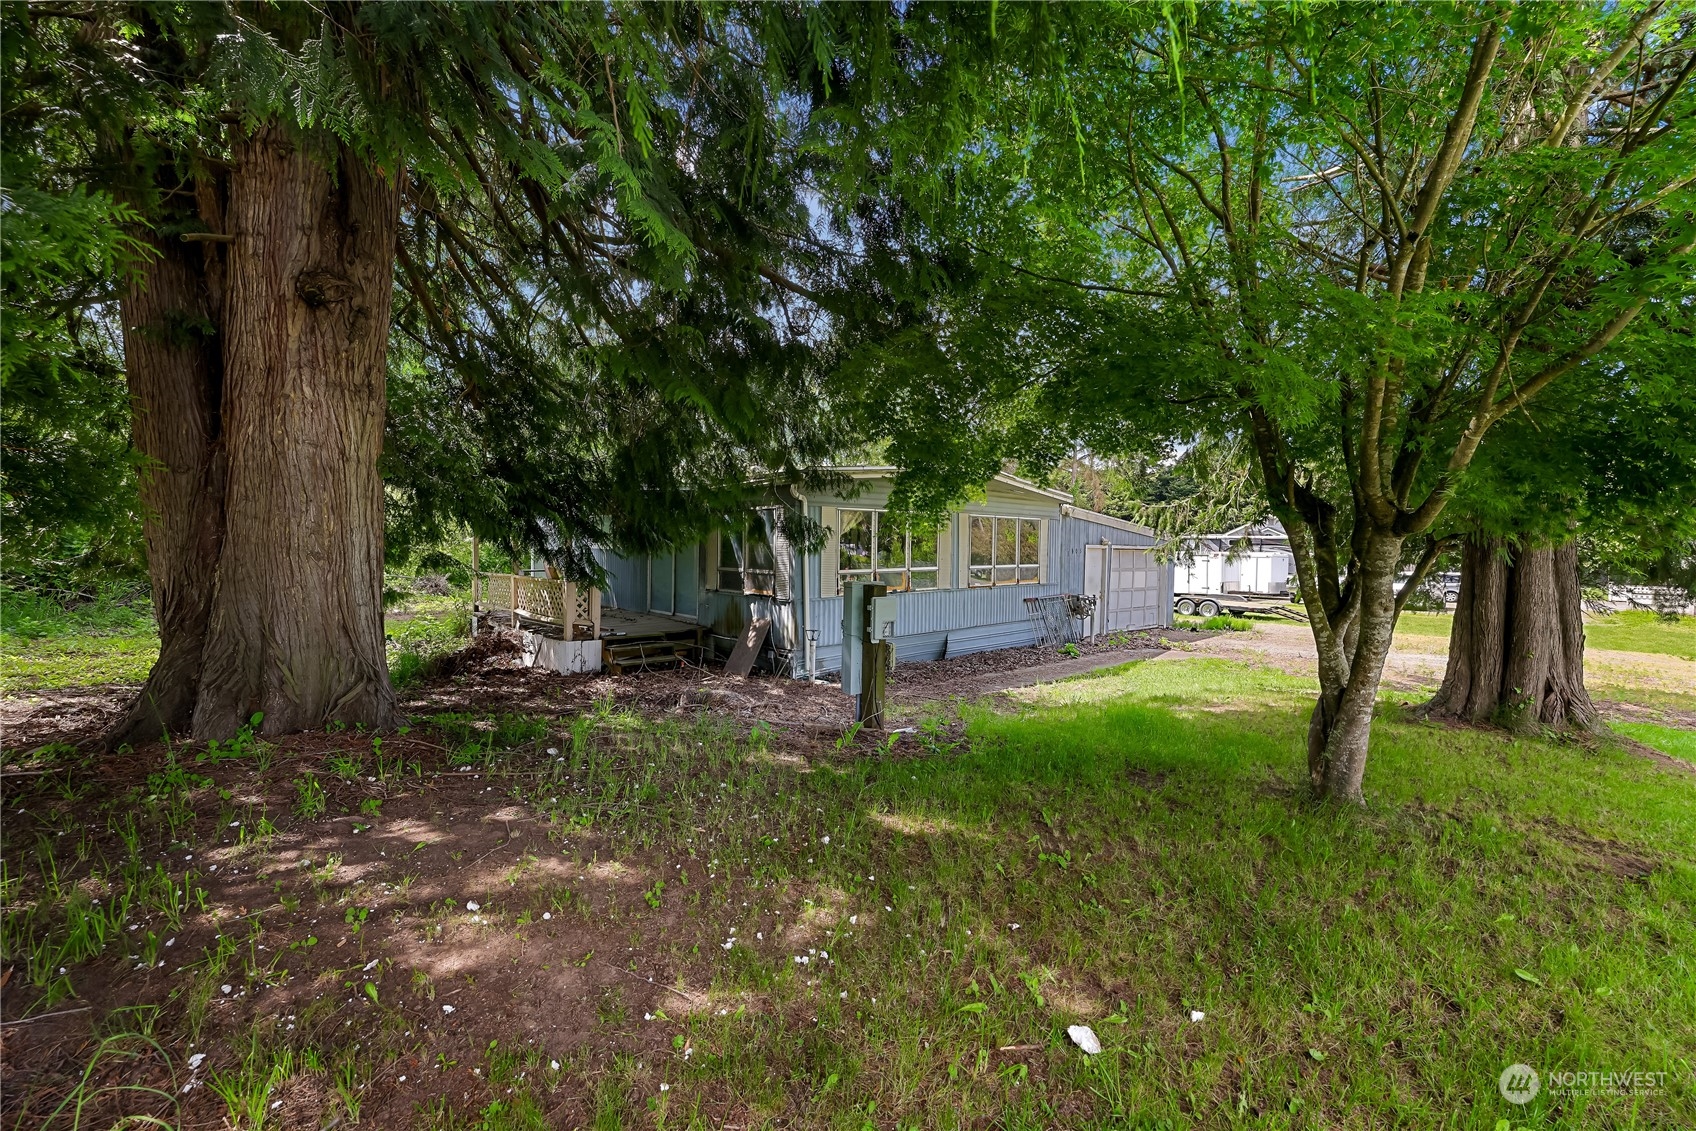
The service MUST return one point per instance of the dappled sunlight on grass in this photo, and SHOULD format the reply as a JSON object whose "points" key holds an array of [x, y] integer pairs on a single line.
{"points": [[903, 937], [75, 661]]}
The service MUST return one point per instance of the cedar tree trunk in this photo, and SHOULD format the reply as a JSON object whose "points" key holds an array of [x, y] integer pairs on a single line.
{"points": [[175, 373], [281, 559], [1516, 652]]}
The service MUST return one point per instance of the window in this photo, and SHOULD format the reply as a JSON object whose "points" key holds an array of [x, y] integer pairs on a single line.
{"points": [[745, 560], [1004, 551], [871, 547]]}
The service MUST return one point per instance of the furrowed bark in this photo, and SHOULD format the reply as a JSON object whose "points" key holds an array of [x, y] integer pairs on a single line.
{"points": [[175, 374], [1516, 652], [296, 626]]}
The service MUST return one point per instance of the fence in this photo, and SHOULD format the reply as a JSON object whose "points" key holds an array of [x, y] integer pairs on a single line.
{"points": [[576, 609]]}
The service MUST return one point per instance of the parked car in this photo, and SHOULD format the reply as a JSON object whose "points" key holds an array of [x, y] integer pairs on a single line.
{"points": [[1444, 587]]}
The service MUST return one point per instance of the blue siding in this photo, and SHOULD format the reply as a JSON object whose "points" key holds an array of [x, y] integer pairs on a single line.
{"points": [[932, 623], [947, 611], [627, 580], [954, 622]]}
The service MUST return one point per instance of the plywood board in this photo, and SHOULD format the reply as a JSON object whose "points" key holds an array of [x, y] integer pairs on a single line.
{"points": [[747, 649]]}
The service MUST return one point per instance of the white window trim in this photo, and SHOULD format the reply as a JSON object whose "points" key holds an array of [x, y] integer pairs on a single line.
{"points": [[1040, 563], [841, 576], [747, 587]]}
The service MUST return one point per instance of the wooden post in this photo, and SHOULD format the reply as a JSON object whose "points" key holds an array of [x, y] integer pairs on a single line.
{"points": [[874, 663], [476, 574]]}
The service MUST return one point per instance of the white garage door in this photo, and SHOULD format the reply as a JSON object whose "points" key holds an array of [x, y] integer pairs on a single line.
{"points": [[1125, 582]]}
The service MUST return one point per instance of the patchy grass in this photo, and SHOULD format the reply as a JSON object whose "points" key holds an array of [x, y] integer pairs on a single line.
{"points": [[611, 921], [46, 643], [1678, 742]]}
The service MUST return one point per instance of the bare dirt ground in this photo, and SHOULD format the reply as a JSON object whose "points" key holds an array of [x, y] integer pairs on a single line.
{"points": [[425, 912], [488, 678]]}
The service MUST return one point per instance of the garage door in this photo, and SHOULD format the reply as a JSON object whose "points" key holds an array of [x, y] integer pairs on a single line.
{"points": [[1126, 584]]}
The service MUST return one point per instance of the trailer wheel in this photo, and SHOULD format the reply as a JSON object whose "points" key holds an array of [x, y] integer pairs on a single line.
{"points": [[1208, 608], [1186, 607]]}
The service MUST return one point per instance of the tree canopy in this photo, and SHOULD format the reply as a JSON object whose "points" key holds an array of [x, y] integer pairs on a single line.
{"points": [[1361, 238], [604, 308]]}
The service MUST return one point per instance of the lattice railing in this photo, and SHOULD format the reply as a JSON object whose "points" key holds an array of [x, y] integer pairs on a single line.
{"points": [[574, 607]]}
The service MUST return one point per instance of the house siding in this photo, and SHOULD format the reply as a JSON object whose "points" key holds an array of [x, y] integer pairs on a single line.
{"points": [[952, 620]]}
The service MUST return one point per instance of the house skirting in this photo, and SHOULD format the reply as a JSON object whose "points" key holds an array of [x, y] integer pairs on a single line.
{"points": [[572, 657]]}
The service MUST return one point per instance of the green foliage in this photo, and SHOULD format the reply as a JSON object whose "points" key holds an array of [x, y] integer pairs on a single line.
{"points": [[309, 803], [47, 641], [1367, 243], [115, 609], [609, 286], [1210, 486], [67, 495], [1226, 623], [419, 639]]}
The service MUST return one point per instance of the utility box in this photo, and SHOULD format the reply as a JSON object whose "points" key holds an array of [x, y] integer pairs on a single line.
{"points": [[882, 627], [868, 646], [853, 634]]}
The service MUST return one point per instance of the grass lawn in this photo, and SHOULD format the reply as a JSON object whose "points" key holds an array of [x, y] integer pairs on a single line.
{"points": [[44, 647], [1668, 740], [1636, 631], [83, 660], [1643, 632], [682, 923]]}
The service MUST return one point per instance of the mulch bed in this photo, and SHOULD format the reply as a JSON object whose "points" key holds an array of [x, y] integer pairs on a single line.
{"points": [[966, 675], [488, 677]]}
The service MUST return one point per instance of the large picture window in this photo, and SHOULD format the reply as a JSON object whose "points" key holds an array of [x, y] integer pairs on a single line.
{"points": [[1004, 551], [871, 547], [745, 560]]}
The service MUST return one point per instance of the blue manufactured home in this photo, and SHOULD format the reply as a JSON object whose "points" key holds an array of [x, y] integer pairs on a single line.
{"points": [[962, 584]]}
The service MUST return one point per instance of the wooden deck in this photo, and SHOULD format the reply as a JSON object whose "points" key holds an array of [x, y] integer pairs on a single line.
{"points": [[632, 640], [629, 638], [634, 625]]}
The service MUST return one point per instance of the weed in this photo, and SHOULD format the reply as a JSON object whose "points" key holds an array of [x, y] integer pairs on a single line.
{"points": [[349, 1081], [309, 803], [246, 1091], [345, 764], [131, 1048], [241, 746]]}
